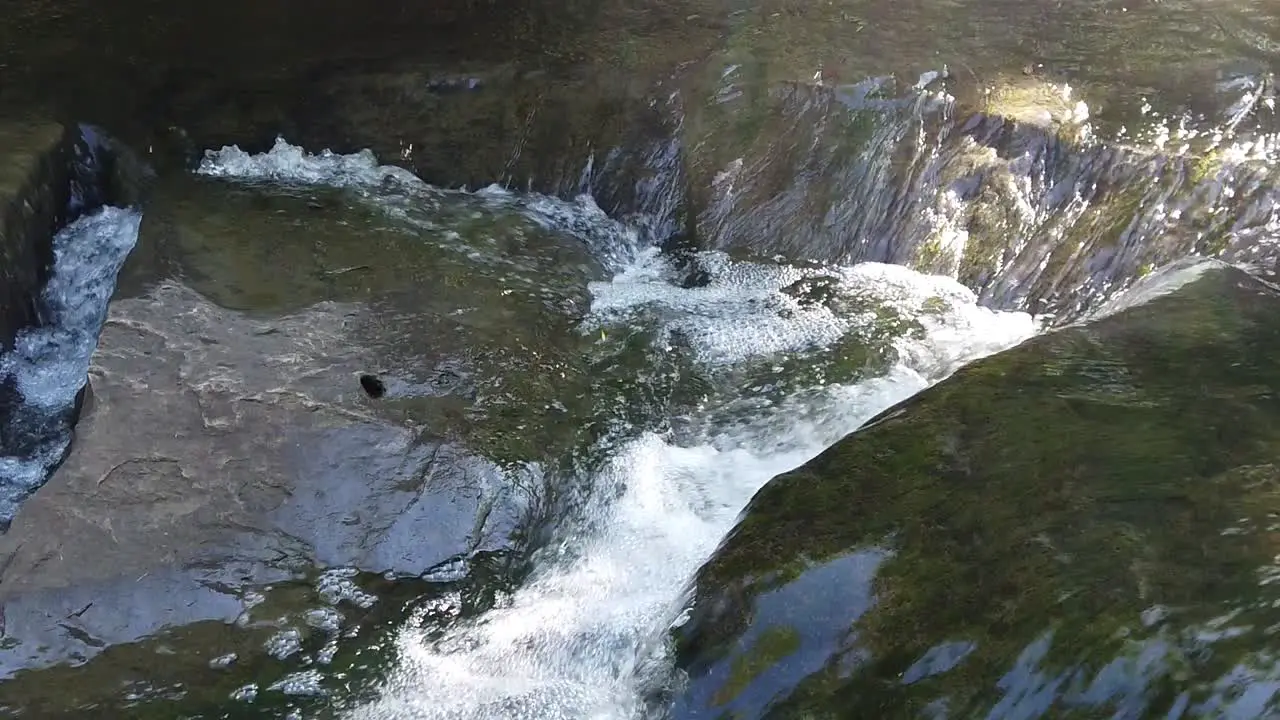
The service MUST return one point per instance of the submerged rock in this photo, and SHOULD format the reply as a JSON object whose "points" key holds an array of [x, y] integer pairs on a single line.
{"points": [[1080, 524], [334, 625]]}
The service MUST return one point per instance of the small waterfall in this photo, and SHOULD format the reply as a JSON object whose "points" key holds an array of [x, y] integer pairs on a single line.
{"points": [[43, 377], [1010, 190], [49, 365], [582, 635], [1014, 192]]}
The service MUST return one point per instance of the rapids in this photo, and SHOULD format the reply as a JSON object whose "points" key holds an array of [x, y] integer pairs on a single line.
{"points": [[583, 634]]}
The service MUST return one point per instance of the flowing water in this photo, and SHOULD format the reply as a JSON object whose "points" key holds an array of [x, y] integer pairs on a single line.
{"points": [[49, 364], [711, 371], [764, 362], [585, 632], [575, 640]]}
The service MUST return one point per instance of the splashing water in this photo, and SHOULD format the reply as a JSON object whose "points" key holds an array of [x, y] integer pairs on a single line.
{"points": [[574, 641], [583, 636], [48, 364]]}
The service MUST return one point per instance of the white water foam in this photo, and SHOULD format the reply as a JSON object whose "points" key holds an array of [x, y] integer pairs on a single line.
{"points": [[742, 313], [49, 364], [572, 641], [290, 164]]}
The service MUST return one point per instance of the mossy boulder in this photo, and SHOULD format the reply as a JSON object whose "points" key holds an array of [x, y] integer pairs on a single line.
{"points": [[1081, 526]]}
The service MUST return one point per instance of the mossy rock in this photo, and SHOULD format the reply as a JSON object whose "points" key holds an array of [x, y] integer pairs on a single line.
{"points": [[202, 669], [1082, 526], [473, 303]]}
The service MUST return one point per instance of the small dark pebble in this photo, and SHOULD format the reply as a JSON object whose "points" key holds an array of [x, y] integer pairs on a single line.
{"points": [[373, 387]]}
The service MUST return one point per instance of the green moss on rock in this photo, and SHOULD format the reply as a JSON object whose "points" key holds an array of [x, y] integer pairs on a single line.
{"points": [[1090, 511]]}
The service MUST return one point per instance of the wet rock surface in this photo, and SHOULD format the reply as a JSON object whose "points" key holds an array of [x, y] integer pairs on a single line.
{"points": [[292, 381], [216, 443], [230, 447], [1079, 524]]}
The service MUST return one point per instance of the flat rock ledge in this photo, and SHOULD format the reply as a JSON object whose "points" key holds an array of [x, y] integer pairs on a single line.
{"points": [[218, 453]]}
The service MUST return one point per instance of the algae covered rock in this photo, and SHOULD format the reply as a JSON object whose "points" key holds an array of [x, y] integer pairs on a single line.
{"points": [[1080, 526]]}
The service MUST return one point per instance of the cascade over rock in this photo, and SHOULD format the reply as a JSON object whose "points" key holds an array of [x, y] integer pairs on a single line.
{"points": [[357, 444], [50, 175], [1082, 522], [229, 452]]}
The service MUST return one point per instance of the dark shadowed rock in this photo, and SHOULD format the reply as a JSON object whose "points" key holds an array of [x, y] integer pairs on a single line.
{"points": [[35, 187], [473, 92], [1082, 524], [372, 385], [611, 131]]}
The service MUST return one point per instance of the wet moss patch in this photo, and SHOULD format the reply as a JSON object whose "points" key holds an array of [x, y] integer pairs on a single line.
{"points": [[1093, 507]]}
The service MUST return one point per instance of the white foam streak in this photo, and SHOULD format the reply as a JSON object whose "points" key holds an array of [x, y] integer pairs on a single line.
{"points": [[290, 164], [405, 196], [568, 643]]}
